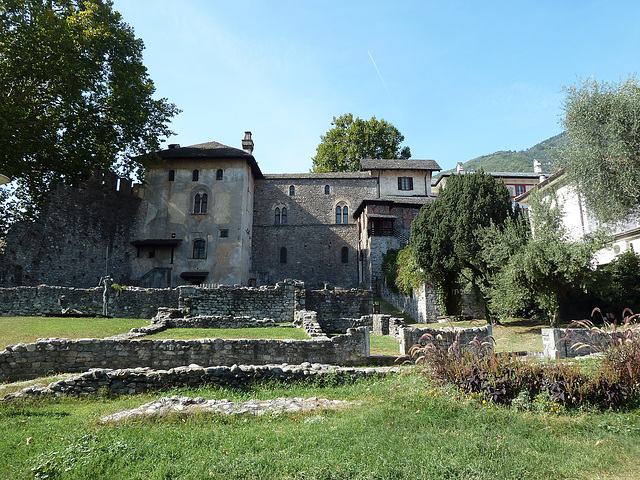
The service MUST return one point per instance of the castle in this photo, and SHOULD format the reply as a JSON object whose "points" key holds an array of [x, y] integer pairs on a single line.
{"points": [[207, 214]]}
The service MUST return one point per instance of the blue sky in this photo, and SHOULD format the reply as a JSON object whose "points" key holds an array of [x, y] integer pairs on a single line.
{"points": [[459, 79]]}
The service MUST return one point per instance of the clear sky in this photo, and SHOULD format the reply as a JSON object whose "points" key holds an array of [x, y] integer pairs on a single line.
{"points": [[459, 79]]}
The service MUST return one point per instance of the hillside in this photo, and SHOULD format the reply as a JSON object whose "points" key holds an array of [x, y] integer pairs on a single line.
{"points": [[522, 161]]}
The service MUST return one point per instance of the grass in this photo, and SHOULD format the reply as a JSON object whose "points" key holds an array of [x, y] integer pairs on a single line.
{"points": [[401, 429], [29, 329], [259, 332]]}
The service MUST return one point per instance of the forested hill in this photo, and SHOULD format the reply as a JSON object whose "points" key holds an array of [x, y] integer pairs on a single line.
{"points": [[522, 161]]}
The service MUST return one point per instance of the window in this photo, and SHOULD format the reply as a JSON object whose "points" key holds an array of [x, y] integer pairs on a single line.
{"points": [[199, 249], [292, 191], [172, 175], [519, 189], [200, 202], [224, 233], [284, 215], [281, 216], [219, 174], [342, 214], [345, 255], [283, 255], [405, 183], [277, 219], [195, 175], [327, 189]]}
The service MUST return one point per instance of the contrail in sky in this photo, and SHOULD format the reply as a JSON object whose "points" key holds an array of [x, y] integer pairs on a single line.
{"points": [[381, 79]]}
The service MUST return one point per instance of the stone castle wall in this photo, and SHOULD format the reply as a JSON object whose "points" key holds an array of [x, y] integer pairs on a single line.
{"points": [[334, 304], [81, 234], [46, 356]]}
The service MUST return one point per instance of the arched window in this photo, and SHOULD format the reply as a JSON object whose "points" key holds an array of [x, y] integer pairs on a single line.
{"points": [[283, 255], [172, 175], [284, 215], [195, 175], [219, 174], [292, 190], [345, 255], [327, 189], [200, 202], [342, 214], [277, 219], [199, 249]]}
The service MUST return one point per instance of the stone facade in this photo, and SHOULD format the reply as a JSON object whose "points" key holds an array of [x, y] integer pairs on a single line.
{"points": [[46, 356], [310, 244]]}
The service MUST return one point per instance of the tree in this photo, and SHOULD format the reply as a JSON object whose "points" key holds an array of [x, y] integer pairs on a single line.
{"points": [[602, 154], [543, 270], [446, 236], [349, 141], [74, 95]]}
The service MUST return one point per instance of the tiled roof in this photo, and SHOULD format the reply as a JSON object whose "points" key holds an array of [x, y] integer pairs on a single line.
{"points": [[316, 176], [393, 200], [397, 164]]}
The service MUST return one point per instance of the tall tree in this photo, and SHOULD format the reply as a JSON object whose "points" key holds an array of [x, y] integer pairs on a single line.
{"points": [[446, 237], [350, 140], [74, 95], [602, 154]]}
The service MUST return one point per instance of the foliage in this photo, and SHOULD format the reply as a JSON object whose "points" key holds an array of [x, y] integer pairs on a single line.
{"points": [[401, 272], [616, 286], [505, 379], [446, 237], [74, 96], [602, 154], [544, 269], [351, 140], [519, 161]]}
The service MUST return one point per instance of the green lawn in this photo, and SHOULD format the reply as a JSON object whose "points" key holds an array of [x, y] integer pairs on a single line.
{"points": [[29, 329], [402, 429]]}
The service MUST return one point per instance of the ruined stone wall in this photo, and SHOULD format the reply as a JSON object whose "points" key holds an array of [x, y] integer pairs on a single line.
{"points": [[278, 302], [25, 361], [423, 305], [573, 342], [82, 234], [444, 338], [312, 238], [48, 300], [336, 304]]}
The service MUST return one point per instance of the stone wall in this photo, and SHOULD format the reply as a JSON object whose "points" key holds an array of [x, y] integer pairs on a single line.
{"points": [[278, 302], [312, 238], [335, 304], [46, 356], [443, 338], [47, 300], [573, 342], [137, 380], [81, 234], [423, 306]]}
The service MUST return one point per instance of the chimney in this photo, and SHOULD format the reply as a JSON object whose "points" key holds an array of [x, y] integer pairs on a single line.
{"points": [[247, 143], [537, 168], [459, 168]]}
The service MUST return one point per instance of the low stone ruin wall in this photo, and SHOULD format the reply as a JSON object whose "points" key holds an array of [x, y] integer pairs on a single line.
{"points": [[46, 300], [423, 305], [333, 304], [574, 342], [46, 356], [277, 302], [130, 381], [379, 324], [444, 338]]}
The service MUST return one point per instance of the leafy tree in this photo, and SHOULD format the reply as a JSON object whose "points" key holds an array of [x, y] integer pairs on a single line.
{"points": [[401, 272], [74, 95], [544, 269], [446, 237], [602, 153], [350, 140], [616, 286]]}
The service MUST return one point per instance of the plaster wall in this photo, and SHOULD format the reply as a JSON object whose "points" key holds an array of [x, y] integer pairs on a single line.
{"points": [[389, 183]]}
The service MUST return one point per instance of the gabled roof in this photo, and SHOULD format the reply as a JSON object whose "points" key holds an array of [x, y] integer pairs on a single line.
{"points": [[398, 164], [393, 201], [550, 179], [211, 150]]}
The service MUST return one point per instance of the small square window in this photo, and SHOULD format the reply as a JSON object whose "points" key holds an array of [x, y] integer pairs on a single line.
{"points": [[405, 183], [224, 233]]}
